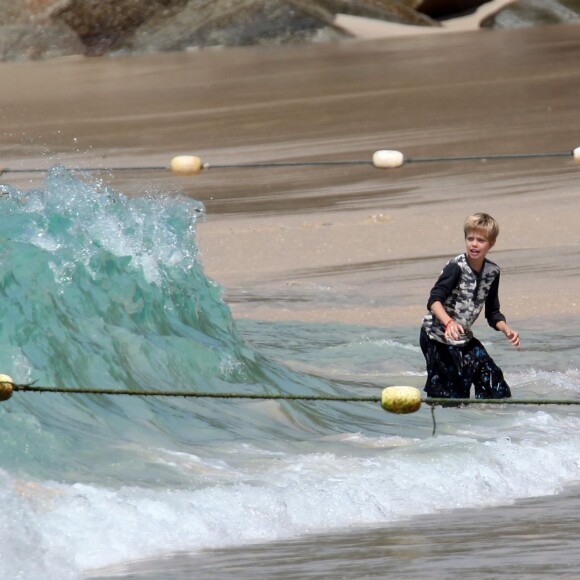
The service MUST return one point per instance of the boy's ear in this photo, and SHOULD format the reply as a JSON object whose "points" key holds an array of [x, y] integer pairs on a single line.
{"points": [[491, 244]]}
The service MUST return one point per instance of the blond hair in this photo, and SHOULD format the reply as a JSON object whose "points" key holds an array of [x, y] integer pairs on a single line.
{"points": [[484, 223]]}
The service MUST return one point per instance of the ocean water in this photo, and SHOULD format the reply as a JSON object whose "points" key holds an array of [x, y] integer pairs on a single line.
{"points": [[99, 290]]}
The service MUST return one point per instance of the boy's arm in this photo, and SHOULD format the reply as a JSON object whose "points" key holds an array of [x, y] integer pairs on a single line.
{"points": [[445, 283], [495, 318], [493, 313], [439, 311], [512, 335], [443, 287]]}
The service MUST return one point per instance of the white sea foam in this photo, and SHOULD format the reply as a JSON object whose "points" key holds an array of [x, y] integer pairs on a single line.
{"points": [[364, 481]]}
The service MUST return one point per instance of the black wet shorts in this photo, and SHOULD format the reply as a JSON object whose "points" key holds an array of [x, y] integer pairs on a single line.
{"points": [[451, 370]]}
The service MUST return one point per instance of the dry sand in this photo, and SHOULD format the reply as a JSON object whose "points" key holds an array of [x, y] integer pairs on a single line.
{"points": [[346, 243]]}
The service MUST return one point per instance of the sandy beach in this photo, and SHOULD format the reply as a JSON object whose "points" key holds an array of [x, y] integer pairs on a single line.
{"points": [[334, 243]]}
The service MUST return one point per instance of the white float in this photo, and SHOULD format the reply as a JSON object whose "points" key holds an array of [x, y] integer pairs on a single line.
{"points": [[388, 159]]}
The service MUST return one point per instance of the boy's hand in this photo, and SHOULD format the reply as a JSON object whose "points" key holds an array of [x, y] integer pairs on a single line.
{"points": [[454, 330], [513, 336]]}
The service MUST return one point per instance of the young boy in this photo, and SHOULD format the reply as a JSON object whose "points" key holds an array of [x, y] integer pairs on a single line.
{"points": [[468, 282]]}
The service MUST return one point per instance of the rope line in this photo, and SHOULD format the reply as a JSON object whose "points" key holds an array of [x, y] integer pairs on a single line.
{"points": [[263, 396], [128, 168], [276, 164], [486, 157], [194, 394]]}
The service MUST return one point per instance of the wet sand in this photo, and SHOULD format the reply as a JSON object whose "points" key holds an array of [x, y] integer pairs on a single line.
{"points": [[344, 243]]}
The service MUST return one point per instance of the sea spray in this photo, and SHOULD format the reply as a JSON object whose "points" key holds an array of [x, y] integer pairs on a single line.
{"points": [[99, 290]]}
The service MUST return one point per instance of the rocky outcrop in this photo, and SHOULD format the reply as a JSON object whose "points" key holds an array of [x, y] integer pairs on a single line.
{"points": [[534, 13], [182, 25], [34, 29], [97, 27], [102, 25]]}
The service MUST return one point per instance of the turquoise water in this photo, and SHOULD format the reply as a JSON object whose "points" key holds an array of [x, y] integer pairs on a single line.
{"points": [[99, 290]]}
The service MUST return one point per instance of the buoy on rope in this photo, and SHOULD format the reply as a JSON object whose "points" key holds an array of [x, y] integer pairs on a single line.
{"points": [[401, 400], [576, 154], [388, 159], [186, 165], [6, 387]]}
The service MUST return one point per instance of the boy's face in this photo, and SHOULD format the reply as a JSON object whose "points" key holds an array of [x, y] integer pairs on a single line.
{"points": [[477, 246]]}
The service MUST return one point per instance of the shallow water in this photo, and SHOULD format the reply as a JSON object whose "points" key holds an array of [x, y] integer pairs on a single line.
{"points": [[478, 457]]}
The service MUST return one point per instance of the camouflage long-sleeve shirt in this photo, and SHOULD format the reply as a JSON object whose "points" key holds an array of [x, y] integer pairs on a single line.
{"points": [[463, 293]]}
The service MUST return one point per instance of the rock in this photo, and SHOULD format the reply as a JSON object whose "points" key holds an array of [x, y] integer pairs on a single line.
{"points": [[402, 12], [130, 26], [26, 42], [524, 13], [28, 33], [33, 12], [44, 28], [103, 25], [231, 23]]}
